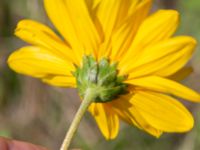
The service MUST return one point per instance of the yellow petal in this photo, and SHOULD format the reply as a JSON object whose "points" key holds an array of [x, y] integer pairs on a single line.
{"points": [[163, 112], [181, 74], [38, 34], [93, 4], [134, 4], [163, 59], [108, 14], [127, 112], [72, 19], [61, 81], [166, 86], [146, 126], [38, 62], [157, 27], [83, 25], [121, 107], [123, 36], [106, 119]]}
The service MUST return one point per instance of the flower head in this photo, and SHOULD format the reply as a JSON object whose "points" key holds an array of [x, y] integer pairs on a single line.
{"points": [[130, 57]]}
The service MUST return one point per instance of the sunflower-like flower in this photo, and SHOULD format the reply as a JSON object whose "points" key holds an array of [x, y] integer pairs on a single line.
{"points": [[129, 59]]}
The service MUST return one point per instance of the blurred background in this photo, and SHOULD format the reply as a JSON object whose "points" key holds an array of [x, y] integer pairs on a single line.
{"points": [[35, 112]]}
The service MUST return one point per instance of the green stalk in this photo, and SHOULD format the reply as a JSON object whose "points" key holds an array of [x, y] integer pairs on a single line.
{"points": [[88, 99]]}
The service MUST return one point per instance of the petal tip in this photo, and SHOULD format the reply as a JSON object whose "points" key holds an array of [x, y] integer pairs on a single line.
{"points": [[170, 12], [190, 40], [194, 41], [190, 124], [9, 59]]}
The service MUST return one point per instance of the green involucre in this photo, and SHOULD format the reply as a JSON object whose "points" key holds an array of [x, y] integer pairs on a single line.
{"points": [[101, 77]]}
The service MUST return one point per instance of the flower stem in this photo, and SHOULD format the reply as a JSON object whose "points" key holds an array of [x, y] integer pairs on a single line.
{"points": [[88, 98]]}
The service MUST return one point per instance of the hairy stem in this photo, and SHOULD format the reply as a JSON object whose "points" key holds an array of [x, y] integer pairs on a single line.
{"points": [[88, 98]]}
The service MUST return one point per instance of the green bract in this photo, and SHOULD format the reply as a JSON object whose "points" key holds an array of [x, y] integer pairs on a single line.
{"points": [[101, 77]]}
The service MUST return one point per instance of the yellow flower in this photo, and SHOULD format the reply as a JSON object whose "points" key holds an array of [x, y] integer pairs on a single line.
{"points": [[119, 31]]}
